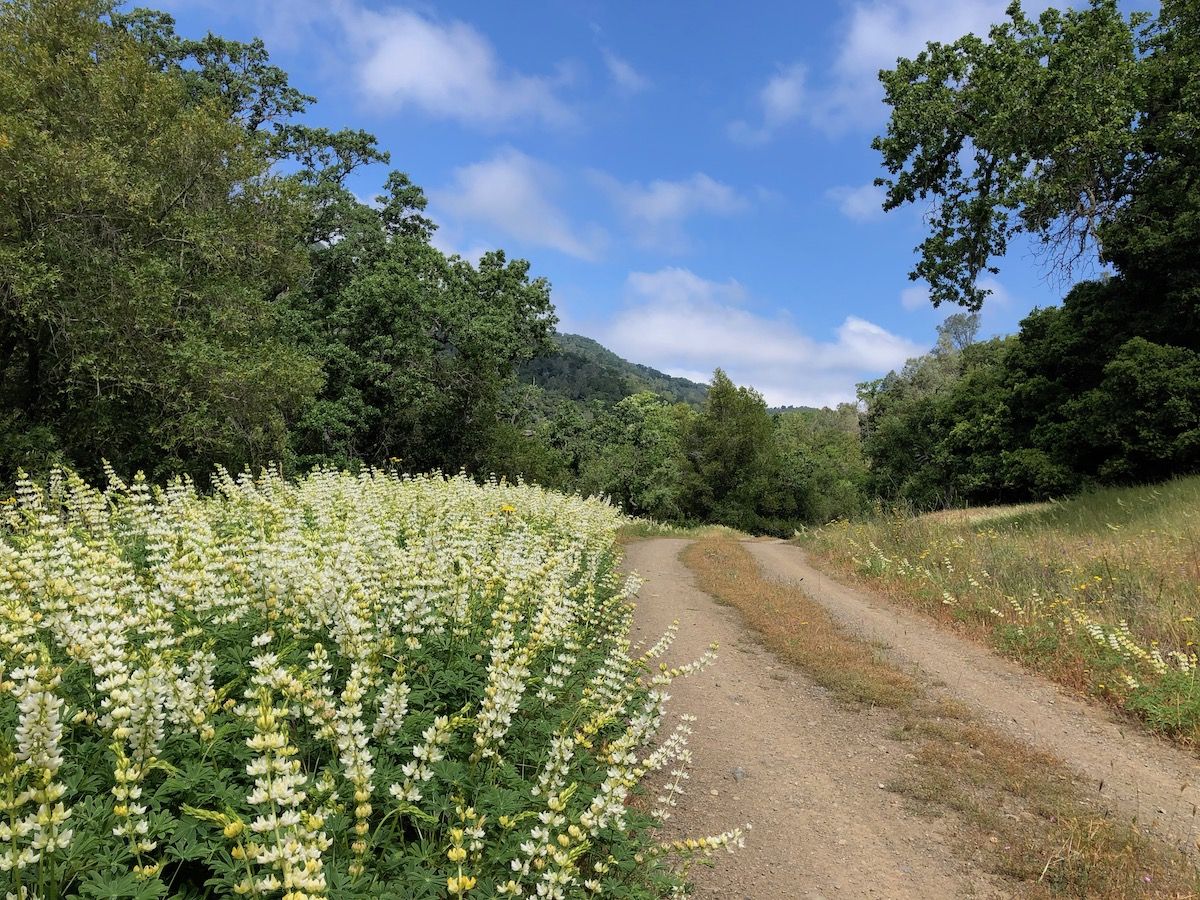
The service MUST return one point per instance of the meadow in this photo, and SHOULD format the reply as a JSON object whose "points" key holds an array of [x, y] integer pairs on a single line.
{"points": [[1100, 592], [356, 686]]}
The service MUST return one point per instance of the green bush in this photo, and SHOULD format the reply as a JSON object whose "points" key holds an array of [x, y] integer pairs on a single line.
{"points": [[364, 686]]}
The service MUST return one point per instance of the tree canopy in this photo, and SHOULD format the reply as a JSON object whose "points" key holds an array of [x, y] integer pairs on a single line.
{"points": [[145, 248], [1077, 128], [185, 280]]}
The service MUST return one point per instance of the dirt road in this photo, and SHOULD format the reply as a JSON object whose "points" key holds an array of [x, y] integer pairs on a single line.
{"points": [[773, 749], [1148, 780]]}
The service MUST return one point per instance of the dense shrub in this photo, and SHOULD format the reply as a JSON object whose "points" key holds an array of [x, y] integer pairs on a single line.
{"points": [[373, 686]]}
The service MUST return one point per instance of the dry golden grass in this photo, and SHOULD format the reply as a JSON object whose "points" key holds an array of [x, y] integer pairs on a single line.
{"points": [[1101, 593], [800, 631], [640, 529], [977, 514], [1024, 817]]}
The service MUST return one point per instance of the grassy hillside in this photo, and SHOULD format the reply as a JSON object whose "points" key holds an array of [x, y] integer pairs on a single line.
{"points": [[584, 370], [1102, 592]]}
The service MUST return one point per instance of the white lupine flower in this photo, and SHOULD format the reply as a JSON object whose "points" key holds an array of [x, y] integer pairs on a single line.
{"points": [[342, 592], [663, 644], [39, 727], [288, 846], [31, 770], [393, 705], [430, 751]]}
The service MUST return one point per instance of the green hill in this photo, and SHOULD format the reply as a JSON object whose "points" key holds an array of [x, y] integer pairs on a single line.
{"points": [[584, 370]]}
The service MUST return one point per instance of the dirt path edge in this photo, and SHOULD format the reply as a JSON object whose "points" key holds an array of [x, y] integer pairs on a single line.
{"points": [[1145, 780], [772, 748]]}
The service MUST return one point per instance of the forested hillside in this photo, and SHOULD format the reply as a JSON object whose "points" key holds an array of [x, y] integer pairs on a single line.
{"points": [[581, 369]]}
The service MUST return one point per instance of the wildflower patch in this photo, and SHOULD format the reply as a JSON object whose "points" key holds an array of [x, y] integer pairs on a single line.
{"points": [[351, 686]]}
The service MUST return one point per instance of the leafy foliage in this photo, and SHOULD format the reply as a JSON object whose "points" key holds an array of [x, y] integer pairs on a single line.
{"points": [[730, 462], [1082, 394], [171, 299], [371, 686], [1035, 129], [145, 249], [641, 466], [418, 350]]}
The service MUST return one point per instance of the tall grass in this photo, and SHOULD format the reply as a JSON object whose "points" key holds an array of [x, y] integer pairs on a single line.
{"points": [[636, 529], [1101, 592]]}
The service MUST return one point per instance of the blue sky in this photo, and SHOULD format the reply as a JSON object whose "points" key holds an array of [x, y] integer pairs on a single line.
{"points": [[694, 181]]}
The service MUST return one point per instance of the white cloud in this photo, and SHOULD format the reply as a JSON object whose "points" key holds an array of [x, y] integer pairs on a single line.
{"points": [[861, 204], [403, 58], [445, 68], [659, 209], [624, 75], [680, 322], [514, 194], [675, 286], [780, 101], [782, 97], [875, 34]]}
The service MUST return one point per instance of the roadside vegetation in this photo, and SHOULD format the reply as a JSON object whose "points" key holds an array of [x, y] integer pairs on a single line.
{"points": [[1022, 813], [1101, 592], [638, 529], [346, 686]]}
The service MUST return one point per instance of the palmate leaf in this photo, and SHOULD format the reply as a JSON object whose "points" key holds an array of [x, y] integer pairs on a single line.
{"points": [[125, 886]]}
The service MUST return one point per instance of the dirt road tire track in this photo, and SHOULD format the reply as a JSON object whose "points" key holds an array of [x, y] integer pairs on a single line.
{"points": [[1145, 779], [811, 771]]}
